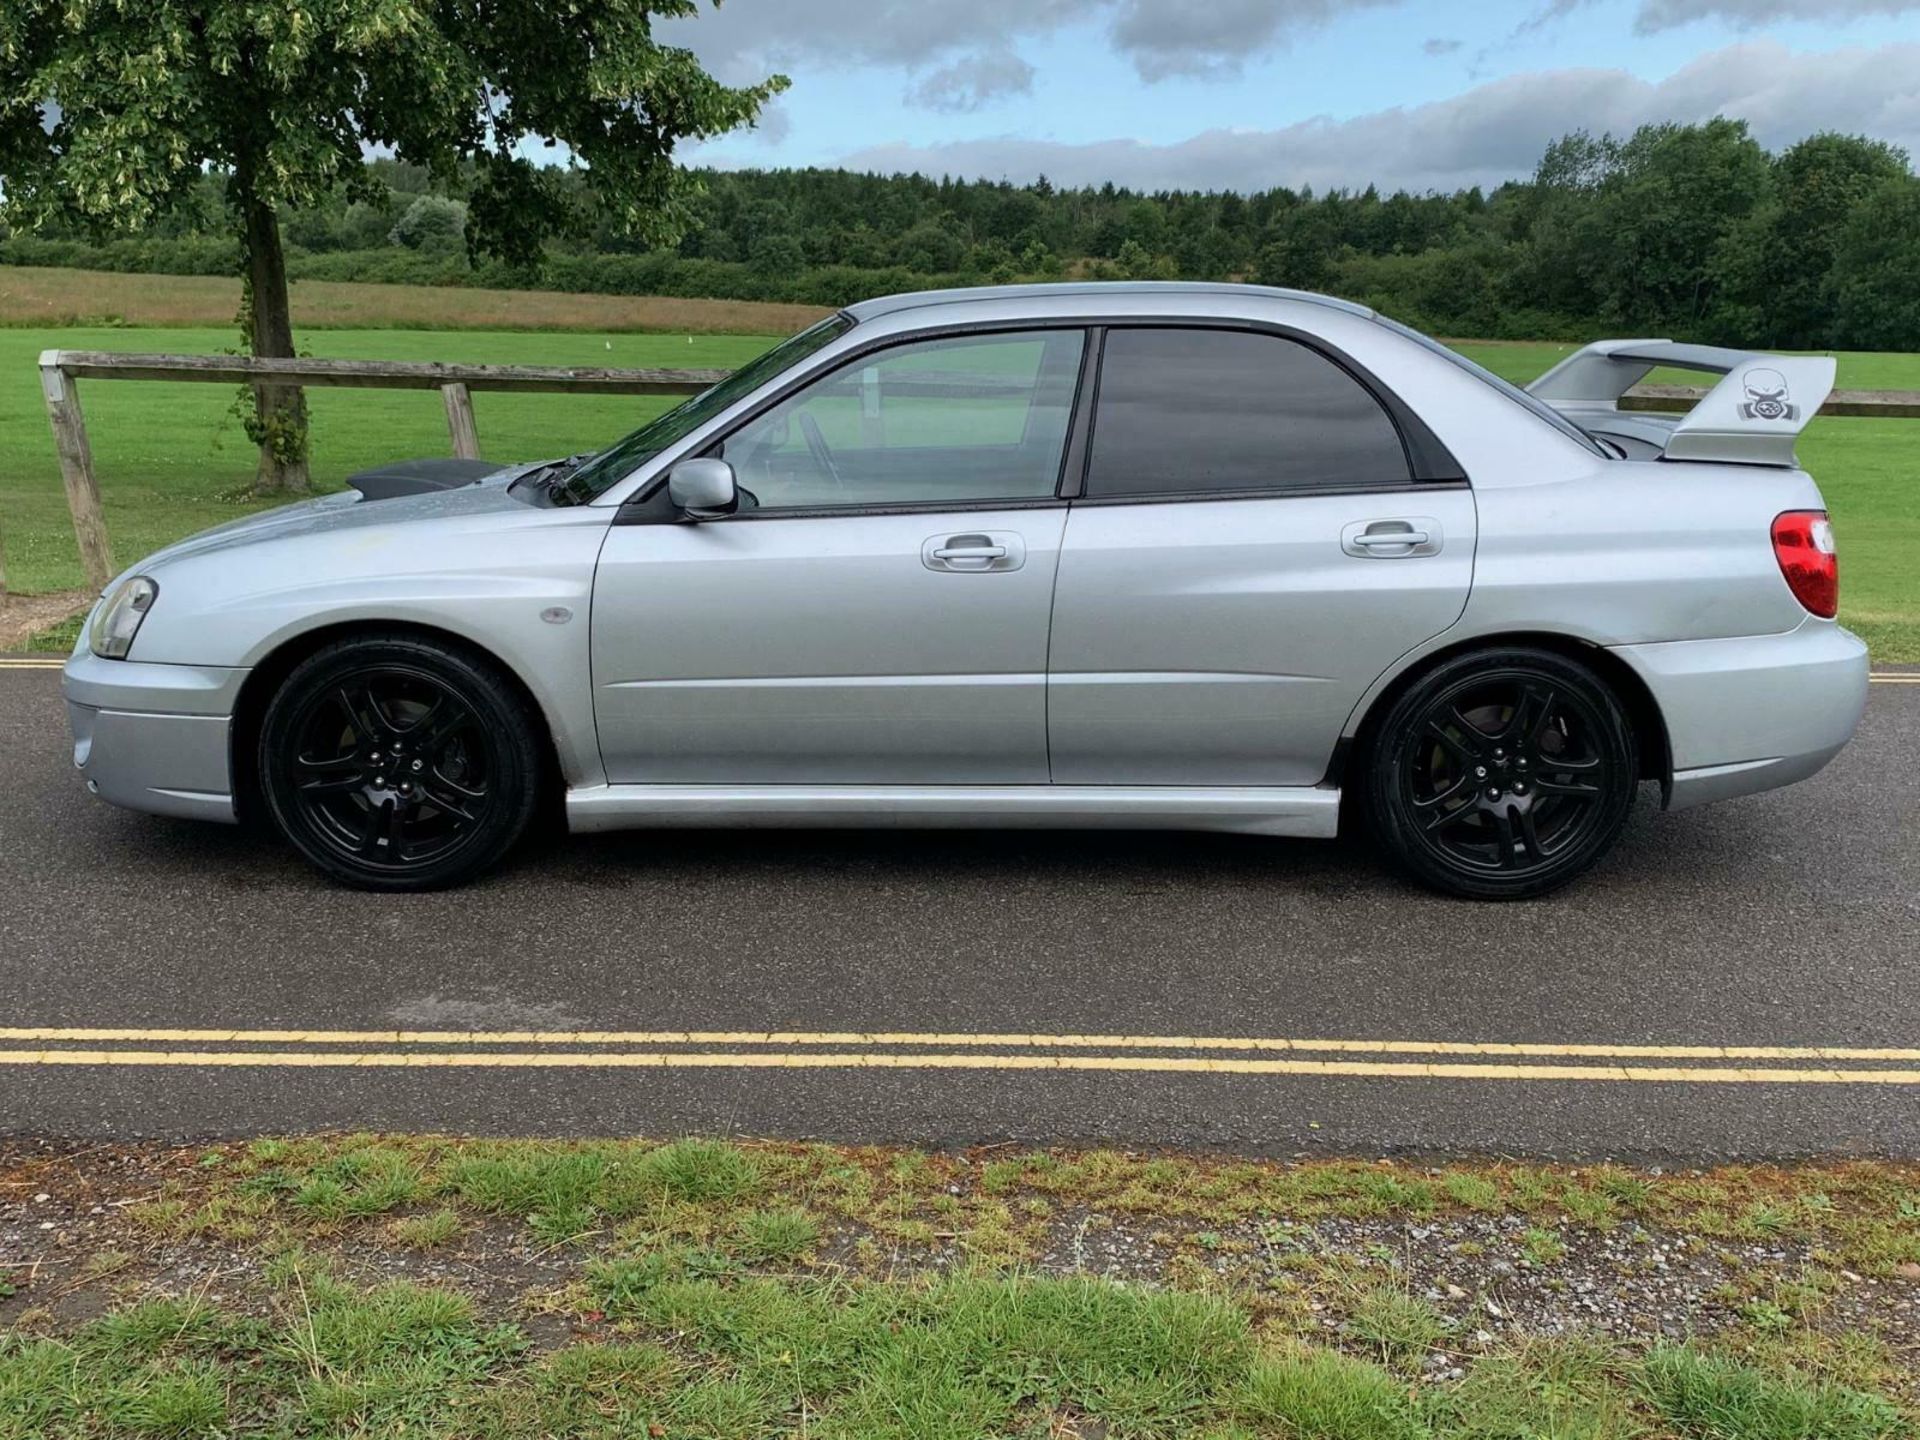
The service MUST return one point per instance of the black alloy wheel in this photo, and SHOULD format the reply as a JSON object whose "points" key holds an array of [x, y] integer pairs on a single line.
{"points": [[1503, 774], [399, 763]]}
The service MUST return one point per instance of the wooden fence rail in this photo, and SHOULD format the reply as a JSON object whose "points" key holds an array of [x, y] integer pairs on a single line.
{"points": [[61, 370]]}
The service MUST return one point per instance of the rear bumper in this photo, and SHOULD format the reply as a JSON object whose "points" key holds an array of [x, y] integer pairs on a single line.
{"points": [[153, 737], [1753, 713]]}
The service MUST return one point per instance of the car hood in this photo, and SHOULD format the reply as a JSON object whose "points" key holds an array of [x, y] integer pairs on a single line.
{"points": [[349, 511]]}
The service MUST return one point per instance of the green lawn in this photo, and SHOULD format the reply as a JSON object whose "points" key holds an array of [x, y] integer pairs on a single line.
{"points": [[172, 458]]}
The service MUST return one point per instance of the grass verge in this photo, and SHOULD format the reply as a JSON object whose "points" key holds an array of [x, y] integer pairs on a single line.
{"points": [[382, 1285]]}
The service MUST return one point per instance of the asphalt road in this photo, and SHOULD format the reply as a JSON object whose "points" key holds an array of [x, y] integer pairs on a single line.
{"points": [[1032, 987]]}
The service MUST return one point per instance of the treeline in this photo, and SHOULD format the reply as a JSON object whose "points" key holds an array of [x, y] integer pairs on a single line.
{"points": [[1693, 231]]}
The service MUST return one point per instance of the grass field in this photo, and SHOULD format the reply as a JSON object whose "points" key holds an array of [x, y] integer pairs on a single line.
{"points": [[1523, 360], [172, 458], [477, 1290], [37, 299]]}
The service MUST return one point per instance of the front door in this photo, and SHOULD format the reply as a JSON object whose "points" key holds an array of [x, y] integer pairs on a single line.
{"points": [[877, 611], [1252, 552]]}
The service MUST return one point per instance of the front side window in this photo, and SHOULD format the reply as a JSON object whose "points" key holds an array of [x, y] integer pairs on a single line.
{"points": [[599, 473], [1197, 412], [957, 419]]}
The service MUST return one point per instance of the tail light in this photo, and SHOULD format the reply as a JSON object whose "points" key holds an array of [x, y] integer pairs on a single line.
{"points": [[1803, 544]]}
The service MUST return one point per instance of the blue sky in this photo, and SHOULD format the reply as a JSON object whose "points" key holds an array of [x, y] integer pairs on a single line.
{"points": [[1248, 93]]}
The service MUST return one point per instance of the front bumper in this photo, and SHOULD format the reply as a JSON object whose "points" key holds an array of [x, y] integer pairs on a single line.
{"points": [[153, 737], [1753, 713]]}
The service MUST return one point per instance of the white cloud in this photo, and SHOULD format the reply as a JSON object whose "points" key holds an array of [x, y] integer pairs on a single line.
{"points": [[973, 81], [1214, 37], [1656, 15], [747, 38], [1488, 134]]}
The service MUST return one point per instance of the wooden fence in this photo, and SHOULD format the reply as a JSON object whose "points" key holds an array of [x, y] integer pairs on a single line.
{"points": [[62, 370]]}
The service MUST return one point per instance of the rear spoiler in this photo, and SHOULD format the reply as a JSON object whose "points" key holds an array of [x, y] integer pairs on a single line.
{"points": [[1751, 417]]}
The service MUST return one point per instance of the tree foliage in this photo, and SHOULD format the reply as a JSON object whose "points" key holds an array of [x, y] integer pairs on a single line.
{"points": [[1690, 231], [113, 111]]}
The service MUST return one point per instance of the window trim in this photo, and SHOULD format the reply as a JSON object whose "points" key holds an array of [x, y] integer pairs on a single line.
{"points": [[1430, 465], [1425, 450], [645, 512]]}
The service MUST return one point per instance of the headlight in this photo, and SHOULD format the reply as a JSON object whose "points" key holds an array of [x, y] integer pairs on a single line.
{"points": [[116, 620]]}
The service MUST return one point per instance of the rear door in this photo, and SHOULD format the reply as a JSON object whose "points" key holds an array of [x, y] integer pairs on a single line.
{"points": [[1252, 550]]}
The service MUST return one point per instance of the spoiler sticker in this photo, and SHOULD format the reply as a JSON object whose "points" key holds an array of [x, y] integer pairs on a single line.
{"points": [[1766, 397]]}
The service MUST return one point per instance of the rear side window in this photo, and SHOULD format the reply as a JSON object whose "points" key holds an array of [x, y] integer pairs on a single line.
{"points": [[1196, 412]]}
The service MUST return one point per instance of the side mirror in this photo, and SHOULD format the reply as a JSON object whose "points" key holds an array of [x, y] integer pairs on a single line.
{"points": [[703, 489]]}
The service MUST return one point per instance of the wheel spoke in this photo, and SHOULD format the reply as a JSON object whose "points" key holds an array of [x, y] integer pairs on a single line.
{"points": [[1446, 818], [396, 829], [433, 729], [1503, 826], [1529, 715], [369, 721], [450, 796], [1460, 787], [368, 841], [1574, 789], [1561, 765], [1465, 744], [331, 777], [1530, 836]]}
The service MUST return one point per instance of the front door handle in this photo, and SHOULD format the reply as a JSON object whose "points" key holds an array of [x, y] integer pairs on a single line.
{"points": [[975, 553], [1401, 538], [983, 553]]}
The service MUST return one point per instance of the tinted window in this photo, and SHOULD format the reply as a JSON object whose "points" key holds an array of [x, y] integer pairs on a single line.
{"points": [[1194, 411], [980, 417]]}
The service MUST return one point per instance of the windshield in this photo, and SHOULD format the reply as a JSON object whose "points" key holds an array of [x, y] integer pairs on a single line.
{"points": [[601, 472], [1513, 392]]}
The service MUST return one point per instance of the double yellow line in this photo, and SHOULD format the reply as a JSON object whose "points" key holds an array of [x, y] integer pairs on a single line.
{"points": [[1878, 677], [936, 1050]]}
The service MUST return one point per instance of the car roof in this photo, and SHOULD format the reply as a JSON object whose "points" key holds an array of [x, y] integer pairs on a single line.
{"points": [[1098, 295]]}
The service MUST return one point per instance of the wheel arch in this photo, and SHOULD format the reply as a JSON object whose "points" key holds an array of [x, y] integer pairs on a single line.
{"points": [[272, 670], [1643, 711]]}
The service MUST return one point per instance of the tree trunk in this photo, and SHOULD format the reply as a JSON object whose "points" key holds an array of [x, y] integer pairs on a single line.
{"points": [[280, 411]]}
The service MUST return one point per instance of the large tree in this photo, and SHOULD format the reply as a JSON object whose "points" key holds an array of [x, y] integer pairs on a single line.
{"points": [[110, 110]]}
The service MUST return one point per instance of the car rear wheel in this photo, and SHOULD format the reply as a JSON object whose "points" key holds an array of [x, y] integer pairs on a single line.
{"points": [[399, 762], [1502, 775]]}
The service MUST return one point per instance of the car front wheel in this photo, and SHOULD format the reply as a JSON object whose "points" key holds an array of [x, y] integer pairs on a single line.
{"points": [[1502, 775], [399, 762]]}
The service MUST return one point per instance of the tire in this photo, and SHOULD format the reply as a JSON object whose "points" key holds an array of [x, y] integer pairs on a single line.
{"points": [[1501, 774], [399, 762]]}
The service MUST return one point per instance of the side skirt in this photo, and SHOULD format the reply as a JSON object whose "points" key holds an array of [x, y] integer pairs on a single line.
{"points": [[1311, 813]]}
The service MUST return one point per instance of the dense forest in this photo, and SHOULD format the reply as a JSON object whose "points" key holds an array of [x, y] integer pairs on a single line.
{"points": [[1693, 231]]}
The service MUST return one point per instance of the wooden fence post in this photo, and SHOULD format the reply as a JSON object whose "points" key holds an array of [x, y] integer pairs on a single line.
{"points": [[76, 469], [466, 435]]}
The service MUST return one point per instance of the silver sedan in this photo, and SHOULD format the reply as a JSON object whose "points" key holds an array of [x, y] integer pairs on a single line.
{"points": [[1203, 557]]}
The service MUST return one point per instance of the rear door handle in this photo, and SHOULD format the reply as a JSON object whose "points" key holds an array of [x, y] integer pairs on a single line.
{"points": [[971, 554], [1401, 538]]}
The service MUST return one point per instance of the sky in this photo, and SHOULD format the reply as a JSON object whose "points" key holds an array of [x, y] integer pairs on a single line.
{"points": [[1249, 94]]}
